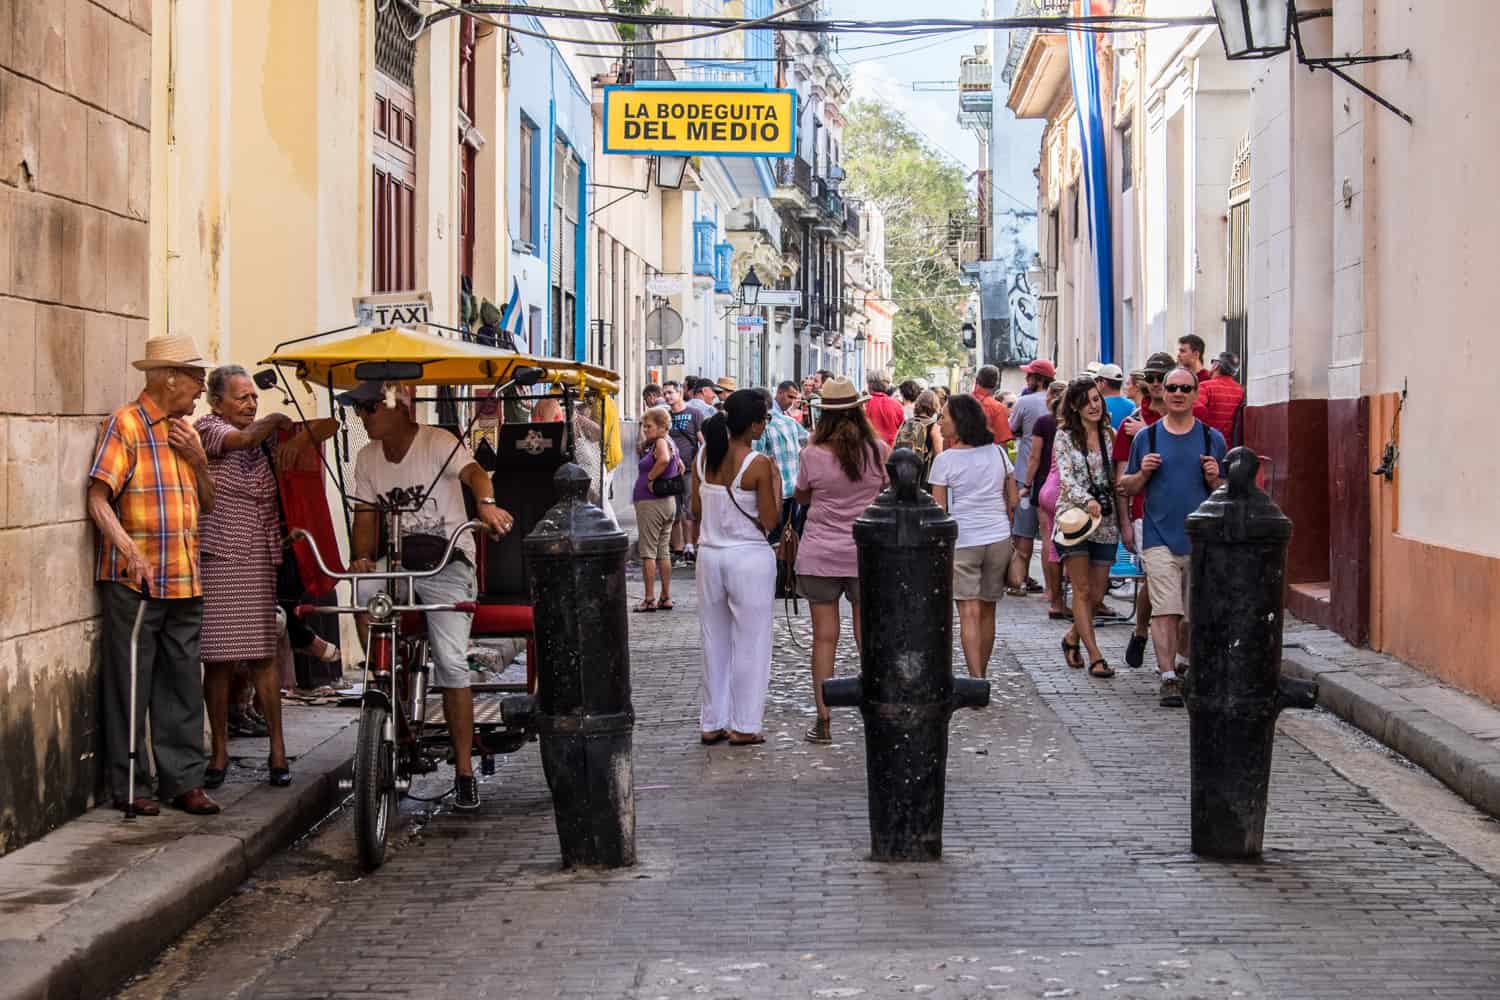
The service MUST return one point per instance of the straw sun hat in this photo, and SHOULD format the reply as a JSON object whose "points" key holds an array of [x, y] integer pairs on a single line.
{"points": [[840, 394], [1074, 525], [171, 351]]}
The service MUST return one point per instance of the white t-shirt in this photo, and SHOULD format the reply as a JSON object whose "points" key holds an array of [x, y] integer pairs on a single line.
{"points": [[443, 512], [975, 478]]}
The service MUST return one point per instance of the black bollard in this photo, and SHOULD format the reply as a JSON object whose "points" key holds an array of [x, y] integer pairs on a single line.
{"points": [[906, 690], [1235, 690], [583, 714]]}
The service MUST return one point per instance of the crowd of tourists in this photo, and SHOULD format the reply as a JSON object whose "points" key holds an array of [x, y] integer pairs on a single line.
{"points": [[760, 489]]}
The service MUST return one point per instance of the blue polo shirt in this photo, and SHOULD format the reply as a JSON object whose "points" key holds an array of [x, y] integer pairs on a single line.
{"points": [[1176, 488]]}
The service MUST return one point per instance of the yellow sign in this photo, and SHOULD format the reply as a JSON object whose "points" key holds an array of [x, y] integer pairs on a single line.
{"points": [[677, 121]]}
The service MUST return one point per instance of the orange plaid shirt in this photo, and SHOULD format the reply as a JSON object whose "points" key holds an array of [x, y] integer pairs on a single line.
{"points": [[155, 496]]}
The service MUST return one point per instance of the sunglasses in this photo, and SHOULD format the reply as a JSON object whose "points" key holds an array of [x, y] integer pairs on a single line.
{"points": [[1179, 387]]}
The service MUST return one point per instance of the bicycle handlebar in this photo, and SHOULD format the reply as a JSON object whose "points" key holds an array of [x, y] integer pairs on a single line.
{"points": [[299, 534]]}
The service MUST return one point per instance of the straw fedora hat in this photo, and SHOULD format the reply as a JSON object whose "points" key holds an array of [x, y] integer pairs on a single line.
{"points": [[171, 351], [840, 394], [1074, 525], [727, 384]]}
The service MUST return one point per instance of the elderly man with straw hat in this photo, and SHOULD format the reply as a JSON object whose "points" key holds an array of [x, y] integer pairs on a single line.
{"points": [[147, 487]]}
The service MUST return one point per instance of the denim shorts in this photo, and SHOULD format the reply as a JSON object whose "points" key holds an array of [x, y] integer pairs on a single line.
{"points": [[1099, 553]]}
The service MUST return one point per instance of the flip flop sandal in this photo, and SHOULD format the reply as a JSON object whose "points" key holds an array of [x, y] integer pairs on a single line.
{"points": [[713, 738], [753, 739], [665, 605], [645, 607], [1072, 655], [1103, 674]]}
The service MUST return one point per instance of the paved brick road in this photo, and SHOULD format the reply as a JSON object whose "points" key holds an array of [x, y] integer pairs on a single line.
{"points": [[1065, 874]]}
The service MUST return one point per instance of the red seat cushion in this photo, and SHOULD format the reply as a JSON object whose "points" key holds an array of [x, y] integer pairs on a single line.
{"points": [[491, 620]]}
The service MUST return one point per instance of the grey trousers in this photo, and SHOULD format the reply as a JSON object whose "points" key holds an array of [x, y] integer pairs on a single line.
{"points": [[169, 684]]}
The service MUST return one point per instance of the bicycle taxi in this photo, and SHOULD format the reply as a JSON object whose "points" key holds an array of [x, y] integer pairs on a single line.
{"points": [[402, 728]]}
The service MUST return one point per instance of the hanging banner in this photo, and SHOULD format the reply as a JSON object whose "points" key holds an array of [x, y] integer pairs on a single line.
{"points": [[700, 121], [1083, 67]]}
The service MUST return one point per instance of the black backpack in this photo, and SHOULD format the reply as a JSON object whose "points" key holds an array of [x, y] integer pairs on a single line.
{"points": [[1208, 439]]}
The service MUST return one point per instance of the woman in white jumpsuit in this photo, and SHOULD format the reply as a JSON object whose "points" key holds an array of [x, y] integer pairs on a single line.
{"points": [[737, 500]]}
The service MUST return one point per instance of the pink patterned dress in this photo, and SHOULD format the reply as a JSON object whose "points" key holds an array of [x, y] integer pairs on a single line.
{"points": [[240, 543]]}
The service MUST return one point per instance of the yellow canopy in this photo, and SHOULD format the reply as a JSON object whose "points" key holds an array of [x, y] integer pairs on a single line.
{"points": [[444, 360]]}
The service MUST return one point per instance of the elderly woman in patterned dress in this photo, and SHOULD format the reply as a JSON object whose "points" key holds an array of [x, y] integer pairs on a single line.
{"points": [[241, 548]]}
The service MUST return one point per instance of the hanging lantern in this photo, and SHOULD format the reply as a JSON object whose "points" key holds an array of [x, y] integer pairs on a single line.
{"points": [[1254, 29]]}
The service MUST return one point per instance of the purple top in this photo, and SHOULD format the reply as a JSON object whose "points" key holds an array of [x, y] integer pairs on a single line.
{"points": [[1046, 429], [644, 467], [827, 546]]}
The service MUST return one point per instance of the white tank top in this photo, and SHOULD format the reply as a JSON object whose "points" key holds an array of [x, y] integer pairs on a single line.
{"points": [[722, 525]]}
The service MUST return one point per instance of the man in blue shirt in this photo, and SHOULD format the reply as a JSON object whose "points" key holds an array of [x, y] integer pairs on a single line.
{"points": [[1176, 462], [1111, 379]]}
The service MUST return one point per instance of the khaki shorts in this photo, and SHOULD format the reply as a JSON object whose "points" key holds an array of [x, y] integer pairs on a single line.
{"points": [[1167, 577], [653, 520], [979, 571], [828, 589]]}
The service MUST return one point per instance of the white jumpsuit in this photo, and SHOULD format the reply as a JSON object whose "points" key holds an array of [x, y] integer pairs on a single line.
{"points": [[736, 574]]}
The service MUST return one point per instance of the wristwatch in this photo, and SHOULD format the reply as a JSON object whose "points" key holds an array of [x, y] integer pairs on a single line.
{"points": [[486, 501]]}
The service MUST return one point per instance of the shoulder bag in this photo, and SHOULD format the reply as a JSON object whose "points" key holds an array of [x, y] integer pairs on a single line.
{"points": [[671, 486]]}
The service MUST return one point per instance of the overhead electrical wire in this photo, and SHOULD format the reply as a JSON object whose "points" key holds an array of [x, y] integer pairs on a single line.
{"points": [[778, 21]]}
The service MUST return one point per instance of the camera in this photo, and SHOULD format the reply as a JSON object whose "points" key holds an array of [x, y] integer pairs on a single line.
{"points": [[1105, 497]]}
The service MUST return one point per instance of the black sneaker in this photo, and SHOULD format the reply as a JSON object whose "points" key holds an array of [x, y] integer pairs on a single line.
{"points": [[1135, 651], [465, 793]]}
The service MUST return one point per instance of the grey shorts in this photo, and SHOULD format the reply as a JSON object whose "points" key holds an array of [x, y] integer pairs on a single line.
{"points": [[1026, 524], [979, 571], [828, 589], [447, 631]]}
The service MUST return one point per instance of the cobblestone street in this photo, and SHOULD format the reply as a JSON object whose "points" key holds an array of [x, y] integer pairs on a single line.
{"points": [[1065, 873]]}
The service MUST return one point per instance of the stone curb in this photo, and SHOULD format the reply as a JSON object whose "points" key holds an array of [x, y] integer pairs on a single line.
{"points": [[122, 927], [1469, 766]]}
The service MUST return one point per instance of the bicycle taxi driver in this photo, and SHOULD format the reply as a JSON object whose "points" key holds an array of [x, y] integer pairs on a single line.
{"points": [[405, 456]]}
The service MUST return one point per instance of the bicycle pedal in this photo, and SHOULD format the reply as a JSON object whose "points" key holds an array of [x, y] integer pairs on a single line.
{"points": [[422, 764]]}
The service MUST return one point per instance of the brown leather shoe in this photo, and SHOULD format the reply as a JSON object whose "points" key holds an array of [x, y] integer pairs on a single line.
{"points": [[196, 802], [143, 806]]}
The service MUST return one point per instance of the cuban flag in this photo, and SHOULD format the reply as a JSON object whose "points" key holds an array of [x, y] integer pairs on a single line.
{"points": [[1083, 68], [512, 317]]}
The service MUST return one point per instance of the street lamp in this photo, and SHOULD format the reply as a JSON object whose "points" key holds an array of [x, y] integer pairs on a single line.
{"points": [[1254, 29], [669, 171], [750, 289]]}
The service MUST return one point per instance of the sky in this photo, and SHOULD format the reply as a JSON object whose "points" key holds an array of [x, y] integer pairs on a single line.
{"points": [[886, 74]]}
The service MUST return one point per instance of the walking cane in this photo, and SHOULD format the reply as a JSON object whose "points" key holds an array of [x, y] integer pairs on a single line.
{"points": [[135, 638]]}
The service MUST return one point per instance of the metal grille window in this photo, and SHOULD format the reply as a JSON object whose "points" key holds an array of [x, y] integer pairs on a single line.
{"points": [[1236, 312], [396, 24], [1127, 158]]}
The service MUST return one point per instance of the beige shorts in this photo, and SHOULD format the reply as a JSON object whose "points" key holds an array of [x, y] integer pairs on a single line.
{"points": [[979, 571], [828, 589], [1167, 577], [653, 520]]}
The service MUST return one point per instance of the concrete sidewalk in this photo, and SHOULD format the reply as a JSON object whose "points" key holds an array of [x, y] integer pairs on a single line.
{"points": [[1453, 735], [95, 900]]}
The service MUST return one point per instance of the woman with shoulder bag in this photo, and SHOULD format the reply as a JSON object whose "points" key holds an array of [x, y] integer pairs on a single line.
{"points": [[842, 471], [974, 481], [1087, 533], [737, 501], [657, 472]]}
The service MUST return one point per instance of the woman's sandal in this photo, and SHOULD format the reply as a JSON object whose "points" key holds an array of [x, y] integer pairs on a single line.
{"points": [[645, 607], [1072, 654], [665, 604], [710, 739], [821, 732], [321, 649], [746, 739], [1106, 672]]}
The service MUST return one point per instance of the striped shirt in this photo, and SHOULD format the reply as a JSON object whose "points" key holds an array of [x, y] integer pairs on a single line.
{"points": [[155, 496], [782, 441]]}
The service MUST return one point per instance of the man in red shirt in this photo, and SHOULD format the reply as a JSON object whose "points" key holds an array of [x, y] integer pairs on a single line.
{"points": [[996, 413], [884, 413], [1220, 398], [1190, 348], [1149, 377]]}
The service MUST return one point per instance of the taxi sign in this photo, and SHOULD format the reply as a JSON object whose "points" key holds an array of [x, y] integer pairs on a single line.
{"points": [[700, 121], [393, 309]]}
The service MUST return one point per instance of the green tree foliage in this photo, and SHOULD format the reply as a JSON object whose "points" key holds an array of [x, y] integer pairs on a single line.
{"points": [[918, 191]]}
